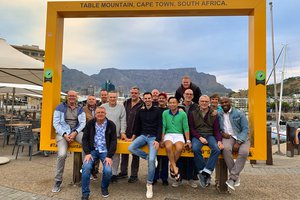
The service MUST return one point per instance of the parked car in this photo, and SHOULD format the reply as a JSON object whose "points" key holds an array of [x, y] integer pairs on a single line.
{"points": [[282, 133]]}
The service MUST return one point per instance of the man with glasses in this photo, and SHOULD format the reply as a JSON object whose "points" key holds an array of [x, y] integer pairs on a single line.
{"points": [[186, 164], [205, 130]]}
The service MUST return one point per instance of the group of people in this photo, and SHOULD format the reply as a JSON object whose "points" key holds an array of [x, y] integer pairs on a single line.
{"points": [[188, 120]]}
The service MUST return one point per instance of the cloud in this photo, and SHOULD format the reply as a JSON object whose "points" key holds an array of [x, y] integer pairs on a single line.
{"points": [[215, 45]]}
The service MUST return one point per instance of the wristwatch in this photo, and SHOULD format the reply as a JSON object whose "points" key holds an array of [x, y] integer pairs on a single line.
{"points": [[239, 142], [188, 141]]}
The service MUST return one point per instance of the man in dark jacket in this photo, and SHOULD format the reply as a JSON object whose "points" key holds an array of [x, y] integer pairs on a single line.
{"points": [[99, 141], [148, 128], [132, 106], [187, 84]]}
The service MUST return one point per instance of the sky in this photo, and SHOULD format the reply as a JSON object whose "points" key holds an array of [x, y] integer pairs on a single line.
{"points": [[213, 45]]}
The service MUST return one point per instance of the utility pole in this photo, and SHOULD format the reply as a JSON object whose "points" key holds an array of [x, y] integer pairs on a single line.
{"points": [[275, 88]]}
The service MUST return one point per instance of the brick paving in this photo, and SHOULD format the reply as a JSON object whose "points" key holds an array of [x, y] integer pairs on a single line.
{"points": [[259, 181], [13, 194]]}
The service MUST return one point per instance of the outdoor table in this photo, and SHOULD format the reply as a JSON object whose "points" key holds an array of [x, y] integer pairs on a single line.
{"points": [[17, 125], [36, 130]]}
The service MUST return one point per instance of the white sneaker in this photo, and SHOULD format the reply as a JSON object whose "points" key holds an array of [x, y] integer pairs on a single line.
{"points": [[149, 193], [192, 184], [156, 162], [237, 182]]}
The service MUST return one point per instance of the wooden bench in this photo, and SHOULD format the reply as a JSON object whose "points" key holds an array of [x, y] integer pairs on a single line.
{"points": [[291, 147], [221, 169]]}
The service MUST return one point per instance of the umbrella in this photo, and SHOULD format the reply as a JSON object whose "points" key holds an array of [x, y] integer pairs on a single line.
{"points": [[16, 67]]}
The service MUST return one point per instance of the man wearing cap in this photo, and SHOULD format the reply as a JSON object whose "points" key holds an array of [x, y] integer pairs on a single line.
{"points": [[162, 168]]}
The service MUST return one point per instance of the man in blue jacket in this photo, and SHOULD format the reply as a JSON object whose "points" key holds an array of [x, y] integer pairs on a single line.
{"points": [[68, 121], [235, 133]]}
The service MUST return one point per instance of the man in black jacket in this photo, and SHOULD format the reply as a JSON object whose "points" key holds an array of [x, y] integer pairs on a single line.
{"points": [[99, 141], [148, 128], [187, 84], [132, 106]]}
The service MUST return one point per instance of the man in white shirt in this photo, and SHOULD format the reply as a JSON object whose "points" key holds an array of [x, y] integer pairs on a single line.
{"points": [[235, 133]]}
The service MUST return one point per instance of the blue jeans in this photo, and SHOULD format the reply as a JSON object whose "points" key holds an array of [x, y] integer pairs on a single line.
{"points": [[134, 148], [86, 172], [198, 158]]}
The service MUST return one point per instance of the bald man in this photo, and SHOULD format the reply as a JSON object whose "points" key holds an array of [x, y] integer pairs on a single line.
{"points": [[68, 120], [235, 133]]}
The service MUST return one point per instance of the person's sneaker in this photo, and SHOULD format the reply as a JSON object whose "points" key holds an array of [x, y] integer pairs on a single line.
{"points": [[203, 179], [85, 198], [165, 183], [237, 183], [208, 181], [105, 192], [177, 183], [93, 177], [132, 179], [230, 184], [56, 187], [121, 176], [113, 179], [192, 183], [149, 193]]}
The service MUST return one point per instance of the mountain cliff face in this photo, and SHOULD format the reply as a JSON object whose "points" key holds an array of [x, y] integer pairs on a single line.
{"points": [[164, 79], [76, 80]]}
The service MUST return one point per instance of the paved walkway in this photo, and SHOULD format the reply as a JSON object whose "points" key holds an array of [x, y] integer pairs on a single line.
{"points": [[12, 194], [259, 181]]}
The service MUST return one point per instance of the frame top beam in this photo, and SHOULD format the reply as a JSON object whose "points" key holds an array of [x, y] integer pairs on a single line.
{"points": [[153, 8]]}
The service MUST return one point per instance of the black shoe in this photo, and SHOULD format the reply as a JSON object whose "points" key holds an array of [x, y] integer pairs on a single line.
{"points": [[132, 179], [105, 192], [85, 198], [113, 179], [154, 182], [203, 177], [165, 183], [122, 175]]}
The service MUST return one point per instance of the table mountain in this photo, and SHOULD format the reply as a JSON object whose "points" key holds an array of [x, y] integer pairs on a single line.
{"points": [[163, 79]]}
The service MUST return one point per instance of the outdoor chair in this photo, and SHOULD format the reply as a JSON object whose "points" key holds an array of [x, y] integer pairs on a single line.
{"points": [[35, 123], [5, 131], [26, 138], [18, 131]]}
